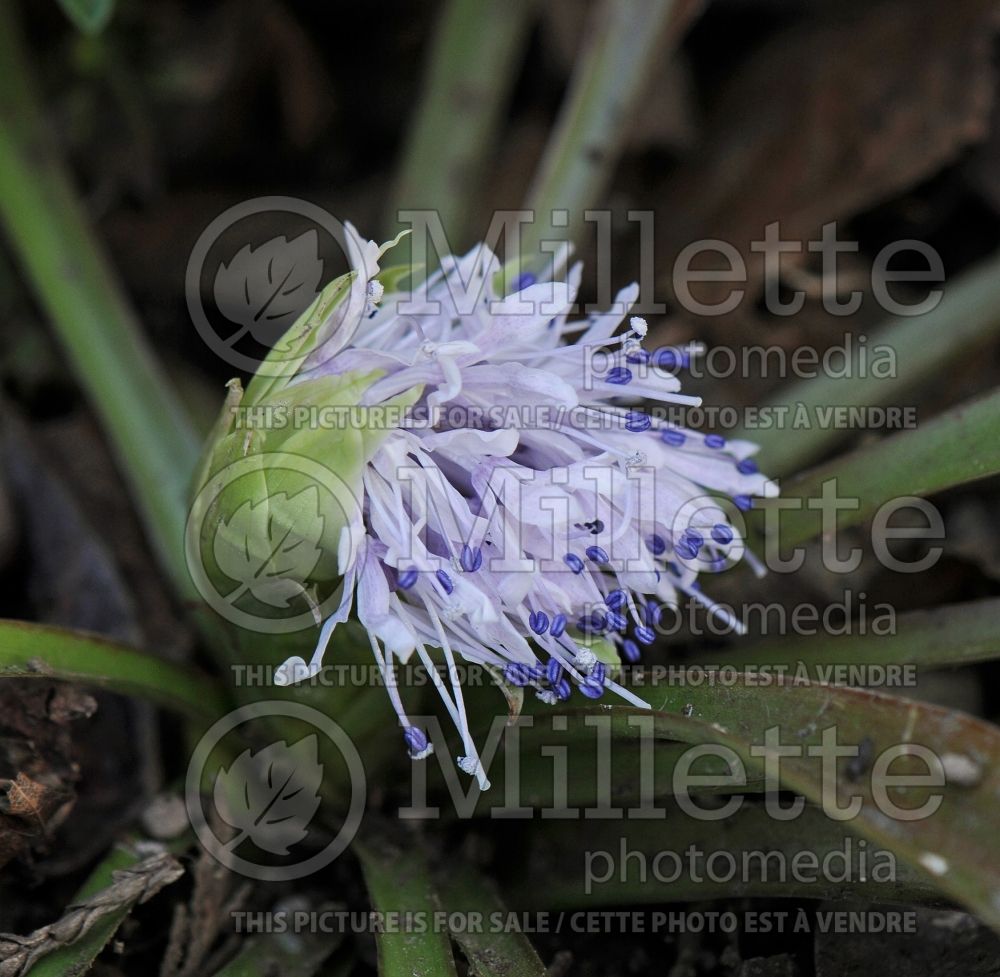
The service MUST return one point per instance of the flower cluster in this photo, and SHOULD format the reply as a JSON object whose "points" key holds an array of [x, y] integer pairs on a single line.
{"points": [[544, 547]]}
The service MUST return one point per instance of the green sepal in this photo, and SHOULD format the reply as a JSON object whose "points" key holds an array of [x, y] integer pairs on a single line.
{"points": [[297, 480], [291, 351], [393, 276]]}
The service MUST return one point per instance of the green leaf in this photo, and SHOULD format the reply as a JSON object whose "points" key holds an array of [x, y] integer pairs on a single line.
{"points": [[957, 634], [301, 339], [90, 16], [257, 548], [956, 848], [76, 958], [67, 264], [270, 527], [504, 953], [399, 882], [626, 38], [471, 68], [550, 876], [967, 318], [37, 651], [959, 446]]}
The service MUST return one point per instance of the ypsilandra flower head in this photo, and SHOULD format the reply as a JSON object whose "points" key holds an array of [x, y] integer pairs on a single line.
{"points": [[527, 506]]}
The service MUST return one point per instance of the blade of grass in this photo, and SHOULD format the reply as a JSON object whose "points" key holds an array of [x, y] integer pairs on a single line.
{"points": [[942, 637], [551, 875], [49, 231], [625, 39], [399, 883], [967, 318], [36, 651], [473, 61], [957, 447], [497, 952]]}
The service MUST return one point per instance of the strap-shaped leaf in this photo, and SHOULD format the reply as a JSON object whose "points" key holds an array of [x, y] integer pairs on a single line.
{"points": [[473, 63], [37, 651], [956, 848], [942, 637], [967, 318], [960, 446], [552, 875], [399, 882], [499, 949]]}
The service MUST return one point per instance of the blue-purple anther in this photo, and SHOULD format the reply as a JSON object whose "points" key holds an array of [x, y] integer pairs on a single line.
{"points": [[538, 621], [471, 559], [619, 375], [598, 554], [416, 740]]}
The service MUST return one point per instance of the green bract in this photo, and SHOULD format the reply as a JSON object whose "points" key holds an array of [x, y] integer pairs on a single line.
{"points": [[278, 495]]}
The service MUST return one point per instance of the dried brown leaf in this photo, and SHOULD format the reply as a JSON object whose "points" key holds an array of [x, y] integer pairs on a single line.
{"points": [[130, 887], [831, 117], [26, 798]]}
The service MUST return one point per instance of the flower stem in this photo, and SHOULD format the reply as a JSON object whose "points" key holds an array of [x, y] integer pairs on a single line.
{"points": [[48, 229]]}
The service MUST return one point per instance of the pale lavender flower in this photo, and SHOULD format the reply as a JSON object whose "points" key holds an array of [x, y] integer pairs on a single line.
{"points": [[525, 516]]}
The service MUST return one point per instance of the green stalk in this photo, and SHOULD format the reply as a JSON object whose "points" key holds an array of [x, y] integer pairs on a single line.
{"points": [[48, 229], [626, 37], [960, 446], [967, 317], [470, 72]]}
